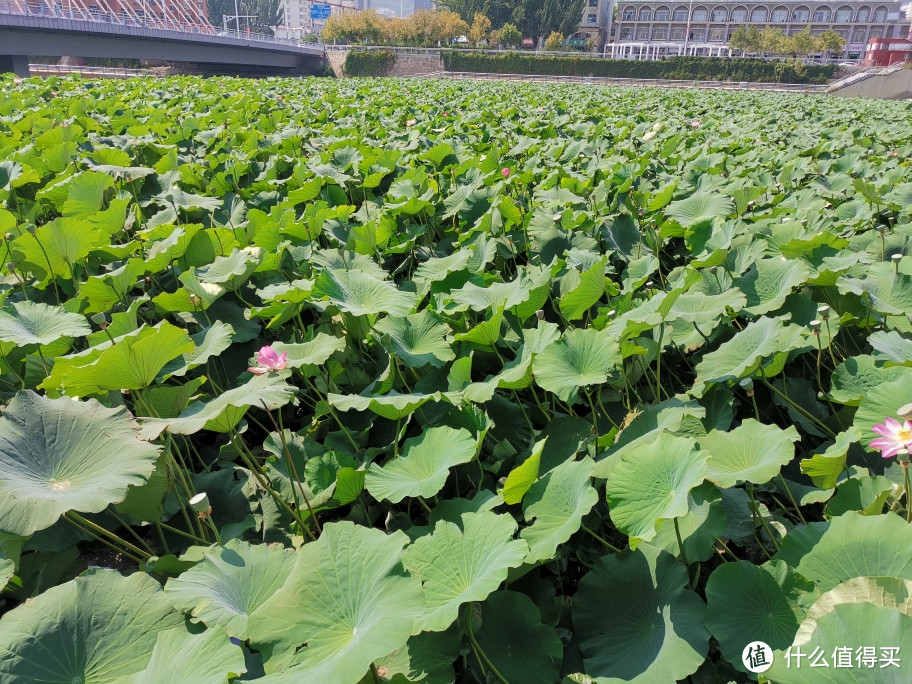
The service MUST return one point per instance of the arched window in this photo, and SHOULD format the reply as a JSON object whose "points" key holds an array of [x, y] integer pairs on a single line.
{"points": [[780, 15], [880, 14], [680, 14], [739, 14], [843, 15], [662, 14], [801, 15], [864, 14], [700, 14], [758, 15], [719, 14], [822, 15], [630, 14], [645, 14]]}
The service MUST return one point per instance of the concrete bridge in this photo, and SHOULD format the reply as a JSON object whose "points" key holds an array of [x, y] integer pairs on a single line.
{"points": [[50, 29]]}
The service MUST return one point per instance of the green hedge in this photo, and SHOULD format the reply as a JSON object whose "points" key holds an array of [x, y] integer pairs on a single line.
{"points": [[368, 62], [686, 68]]}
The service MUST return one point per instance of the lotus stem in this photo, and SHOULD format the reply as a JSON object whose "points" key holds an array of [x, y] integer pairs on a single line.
{"points": [[659, 356], [797, 408], [755, 509], [594, 414], [264, 483], [333, 413], [904, 464], [726, 549], [681, 547], [73, 516], [104, 541], [423, 504], [174, 530], [131, 531], [50, 268], [478, 650], [608, 545], [788, 493], [293, 469]]}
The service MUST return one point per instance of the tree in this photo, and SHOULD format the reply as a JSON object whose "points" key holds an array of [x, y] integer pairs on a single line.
{"points": [[773, 41], [831, 42], [554, 41], [802, 43], [480, 29], [746, 39], [534, 18], [509, 35]]}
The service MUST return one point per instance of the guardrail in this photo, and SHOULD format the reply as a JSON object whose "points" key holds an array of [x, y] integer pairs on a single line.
{"points": [[651, 82], [864, 75], [123, 18], [104, 72]]}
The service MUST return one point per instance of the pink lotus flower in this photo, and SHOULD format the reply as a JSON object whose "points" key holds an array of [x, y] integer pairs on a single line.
{"points": [[17, 81], [410, 123], [505, 172], [695, 123], [268, 360], [444, 113], [896, 437]]}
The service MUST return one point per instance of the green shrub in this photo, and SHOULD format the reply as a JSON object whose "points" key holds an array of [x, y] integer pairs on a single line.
{"points": [[368, 62], [683, 68]]}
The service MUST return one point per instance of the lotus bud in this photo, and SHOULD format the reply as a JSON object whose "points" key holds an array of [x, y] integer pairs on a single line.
{"points": [[824, 312], [10, 266], [31, 229], [815, 326], [905, 412], [881, 228], [9, 237], [194, 299], [540, 314]]}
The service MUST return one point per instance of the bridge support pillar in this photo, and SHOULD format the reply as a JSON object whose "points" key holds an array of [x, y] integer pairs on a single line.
{"points": [[18, 64]]}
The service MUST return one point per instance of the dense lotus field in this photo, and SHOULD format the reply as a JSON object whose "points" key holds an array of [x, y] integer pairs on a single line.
{"points": [[411, 381]]}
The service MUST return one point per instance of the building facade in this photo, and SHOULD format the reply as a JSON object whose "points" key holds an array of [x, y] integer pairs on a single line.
{"points": [[594, 24], [698, 27]]}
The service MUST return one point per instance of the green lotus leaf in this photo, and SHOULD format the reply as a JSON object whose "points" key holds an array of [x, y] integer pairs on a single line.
{"points": [[647, 627], [393, 406], [423, 466], [700, 209], [87, 194], [855, 377], [825, 468], [699, 528], [746, 603], [358, 293], [848, 626], [752, 452], [57, 246], [746, 352], [484, 551], [182, 656], [769, 281], [513, 637], [702, 309], [226, 409], [879, 403], [7, 568], [59, 455], [523, 476], [591, 289], [888, 290], [486, 333], [208, 343], [891, 347], [426, 658], [850, 545], [37, 323], [345, 604], [418, 339], [885, 592], [133, 362], [579, 359], [653, 483], [557, 504], [96, 628], [313, 353], [230, 584], [229, 272], [867, 495]]}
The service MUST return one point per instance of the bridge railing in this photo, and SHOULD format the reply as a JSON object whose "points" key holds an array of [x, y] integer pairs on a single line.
{"points": [[55, 10]]}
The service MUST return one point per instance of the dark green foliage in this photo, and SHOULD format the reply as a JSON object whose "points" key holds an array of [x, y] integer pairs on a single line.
{"points": [[683, 68], [368, 62]]}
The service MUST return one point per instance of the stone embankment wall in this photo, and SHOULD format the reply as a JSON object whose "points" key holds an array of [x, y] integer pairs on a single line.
{"points": [[406, 65]]}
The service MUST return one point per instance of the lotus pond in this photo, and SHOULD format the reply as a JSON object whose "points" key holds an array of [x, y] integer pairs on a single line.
{"points": [[414, 381]]}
